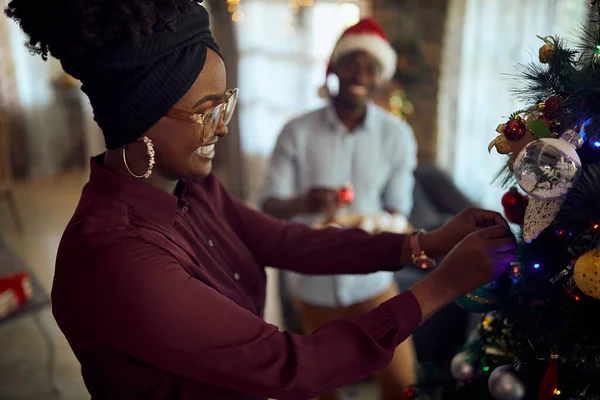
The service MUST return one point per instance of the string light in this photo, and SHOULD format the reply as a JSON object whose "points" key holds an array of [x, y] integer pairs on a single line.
{"points": [[536, 266], [233, 6], [238, 16], [487, 320], [556, 392]]}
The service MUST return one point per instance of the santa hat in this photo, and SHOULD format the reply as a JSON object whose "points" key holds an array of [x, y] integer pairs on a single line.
{"points": [[368, 36]]}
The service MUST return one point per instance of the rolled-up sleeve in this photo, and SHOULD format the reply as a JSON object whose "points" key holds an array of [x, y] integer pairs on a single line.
{"points": [[399, 191], [280, 182], [139, 300]]}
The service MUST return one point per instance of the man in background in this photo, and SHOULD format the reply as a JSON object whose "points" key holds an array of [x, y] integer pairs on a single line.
{"points": [[349, 140]]}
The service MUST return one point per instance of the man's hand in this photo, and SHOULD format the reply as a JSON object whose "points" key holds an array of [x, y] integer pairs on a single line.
{"points": [[442, 240], [316, 201], [322, 200]]}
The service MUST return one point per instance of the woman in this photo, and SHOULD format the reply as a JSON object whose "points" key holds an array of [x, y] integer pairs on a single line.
{"points": [[160, 283]]}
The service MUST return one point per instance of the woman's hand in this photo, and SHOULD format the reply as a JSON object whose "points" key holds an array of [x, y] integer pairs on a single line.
{"points": [[442, 240], [477, 259]]}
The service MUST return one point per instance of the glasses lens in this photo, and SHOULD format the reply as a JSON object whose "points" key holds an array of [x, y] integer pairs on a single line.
{"points": [[231, 103], [211, 122]]}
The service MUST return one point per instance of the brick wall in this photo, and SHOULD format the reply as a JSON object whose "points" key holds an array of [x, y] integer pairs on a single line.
{"points": [[423, 21]]}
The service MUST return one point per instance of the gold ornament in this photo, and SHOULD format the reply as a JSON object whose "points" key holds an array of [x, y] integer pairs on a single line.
{"points": [[501, 144], [547, 50], [587, 273], [511, 164], [546, 53]]}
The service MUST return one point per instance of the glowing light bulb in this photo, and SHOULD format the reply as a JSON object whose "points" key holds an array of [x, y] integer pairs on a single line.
{"points": [[238, 16], [536, 266]]}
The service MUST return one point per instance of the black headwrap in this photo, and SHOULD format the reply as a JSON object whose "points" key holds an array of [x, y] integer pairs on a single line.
{"points": [[132, 85]]}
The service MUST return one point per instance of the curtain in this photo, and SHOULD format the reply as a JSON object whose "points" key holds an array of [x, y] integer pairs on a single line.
{"points": [[484, 40], [45, 119], [283, 53], [11, 107]]}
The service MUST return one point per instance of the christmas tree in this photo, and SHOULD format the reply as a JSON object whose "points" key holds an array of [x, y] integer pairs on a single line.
{"points": [[539, 337]]}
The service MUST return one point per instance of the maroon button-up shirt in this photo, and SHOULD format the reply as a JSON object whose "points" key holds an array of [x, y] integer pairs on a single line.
{"points": [[161, 296]]}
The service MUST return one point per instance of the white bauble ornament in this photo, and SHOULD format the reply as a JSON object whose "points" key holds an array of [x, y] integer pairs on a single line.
{"points": [[504, 385], [461, 368]]}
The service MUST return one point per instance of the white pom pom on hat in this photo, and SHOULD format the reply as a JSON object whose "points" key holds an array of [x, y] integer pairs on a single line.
{"points": [[368, 36]]}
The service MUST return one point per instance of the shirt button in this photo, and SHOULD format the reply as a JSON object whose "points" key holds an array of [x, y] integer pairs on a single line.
{"points": [[236, 276], [211, 243], [184, 209]]}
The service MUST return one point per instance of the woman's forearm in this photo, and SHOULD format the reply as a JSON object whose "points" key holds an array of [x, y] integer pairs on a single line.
{"points": [[284, 208]]}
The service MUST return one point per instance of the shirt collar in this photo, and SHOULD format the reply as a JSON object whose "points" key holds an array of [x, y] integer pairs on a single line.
{"points": [[333, 120], [141, 196]]}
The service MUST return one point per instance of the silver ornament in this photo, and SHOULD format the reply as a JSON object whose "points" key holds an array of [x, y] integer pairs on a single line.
{"points": [[547, 168], [461, 368], [504, 385], [573, 137]]}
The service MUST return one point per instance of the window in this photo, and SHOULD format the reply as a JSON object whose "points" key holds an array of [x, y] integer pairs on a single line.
{"points": [[483, 43]]}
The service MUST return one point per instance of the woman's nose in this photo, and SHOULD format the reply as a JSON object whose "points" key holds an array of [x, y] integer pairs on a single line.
{"points": [[221, 129]]}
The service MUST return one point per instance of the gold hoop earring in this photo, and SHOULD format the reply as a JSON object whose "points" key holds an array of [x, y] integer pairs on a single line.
{"points": [[150, 151]]}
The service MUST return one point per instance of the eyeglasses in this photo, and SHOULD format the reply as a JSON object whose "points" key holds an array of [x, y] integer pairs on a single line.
{"points": [[210, 118]]}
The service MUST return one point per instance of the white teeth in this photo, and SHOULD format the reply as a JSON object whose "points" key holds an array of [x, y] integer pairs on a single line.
{"points": [[205, 150]]}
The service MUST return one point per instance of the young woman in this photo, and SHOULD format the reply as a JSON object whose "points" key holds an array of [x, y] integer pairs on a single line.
{"points": [[160, 283]]}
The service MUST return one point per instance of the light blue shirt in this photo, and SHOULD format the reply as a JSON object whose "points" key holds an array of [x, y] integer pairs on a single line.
{"points": [[379, 158]]}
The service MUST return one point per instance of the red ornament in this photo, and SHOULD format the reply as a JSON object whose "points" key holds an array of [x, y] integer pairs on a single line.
{"points": [[551, 105], [346, 195], [547, 122], [514, 129], [549, 385], [515, 204]]}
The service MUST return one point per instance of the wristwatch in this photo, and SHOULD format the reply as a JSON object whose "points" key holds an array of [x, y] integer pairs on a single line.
{"points": [[419, 258]]}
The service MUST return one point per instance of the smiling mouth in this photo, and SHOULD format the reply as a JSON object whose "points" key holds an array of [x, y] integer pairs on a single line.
{"points": [[358, 90], [206, 151]]}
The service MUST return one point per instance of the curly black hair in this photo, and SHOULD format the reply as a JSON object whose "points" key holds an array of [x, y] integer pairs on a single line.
{"points": [[61, 27]]}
